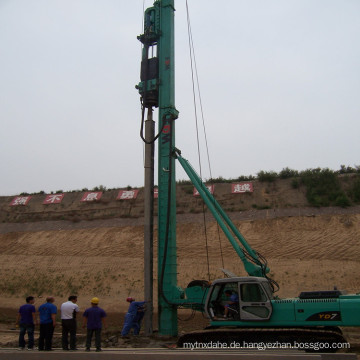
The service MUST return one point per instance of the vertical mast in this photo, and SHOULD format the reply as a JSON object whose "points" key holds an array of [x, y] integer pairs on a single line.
{"points": [[157, 89], [148, 89], [167, 262], [149, 222]]}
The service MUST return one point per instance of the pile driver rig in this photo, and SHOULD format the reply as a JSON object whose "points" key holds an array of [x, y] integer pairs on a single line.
{"points": [[257, 314]]}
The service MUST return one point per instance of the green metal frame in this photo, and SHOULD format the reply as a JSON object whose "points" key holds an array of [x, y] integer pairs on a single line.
{"points": [[166, 172], [230, 230], [159, 91]]}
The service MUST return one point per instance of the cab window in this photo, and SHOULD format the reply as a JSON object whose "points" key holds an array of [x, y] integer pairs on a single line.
{"points": [[252, 293]]}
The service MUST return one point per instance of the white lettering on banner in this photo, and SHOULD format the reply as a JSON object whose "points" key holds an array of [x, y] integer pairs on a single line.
{"points": [[242, 187], [91, 196], [53, 199], [127, 194], [20, 200]]}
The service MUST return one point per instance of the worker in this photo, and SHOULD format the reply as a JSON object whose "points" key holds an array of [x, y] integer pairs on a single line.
{"points": [[94, 320], [232, 307], [137, 320], [68, 322], [131, 317], [26, 320], [47, 315]]}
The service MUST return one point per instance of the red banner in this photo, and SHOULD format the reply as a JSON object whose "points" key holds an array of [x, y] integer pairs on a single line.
{"points": [[127, 194], [20, 200], [91, 196], [240, 188], [53, 199]]}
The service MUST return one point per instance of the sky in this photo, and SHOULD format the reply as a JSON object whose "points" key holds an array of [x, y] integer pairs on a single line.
{"points": [[279, 83]]}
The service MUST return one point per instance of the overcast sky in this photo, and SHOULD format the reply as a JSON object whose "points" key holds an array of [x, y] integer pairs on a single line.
{"points": [[279, 81]]}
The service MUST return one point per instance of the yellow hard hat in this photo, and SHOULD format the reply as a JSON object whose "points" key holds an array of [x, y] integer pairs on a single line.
{"points": [[95, 300]]}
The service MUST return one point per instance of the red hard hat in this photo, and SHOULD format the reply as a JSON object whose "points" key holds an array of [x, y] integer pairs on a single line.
{"points": [[130, 299]]}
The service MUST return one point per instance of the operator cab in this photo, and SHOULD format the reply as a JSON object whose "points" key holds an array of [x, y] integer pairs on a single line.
{"points": [[239, 299]]}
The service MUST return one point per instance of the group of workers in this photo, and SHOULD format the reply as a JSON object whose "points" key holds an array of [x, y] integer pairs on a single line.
{"points": [[93, 321]]}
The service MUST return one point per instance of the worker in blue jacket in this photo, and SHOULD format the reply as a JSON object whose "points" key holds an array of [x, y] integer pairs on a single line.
{"points": [[132, 319], [137, 320]]}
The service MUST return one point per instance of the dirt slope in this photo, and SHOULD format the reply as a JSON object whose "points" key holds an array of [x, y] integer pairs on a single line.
{"points": [[304, 253]]}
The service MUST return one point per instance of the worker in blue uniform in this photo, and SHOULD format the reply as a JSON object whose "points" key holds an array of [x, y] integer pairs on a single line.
{"points": [[137, 320], [232, 307], [133, 316]]}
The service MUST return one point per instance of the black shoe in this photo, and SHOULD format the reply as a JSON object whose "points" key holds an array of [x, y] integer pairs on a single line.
{"points": [[98, 350], [87, 349]]}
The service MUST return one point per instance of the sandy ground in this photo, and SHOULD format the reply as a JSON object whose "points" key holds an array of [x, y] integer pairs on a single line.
{"points": [[303, 253]]}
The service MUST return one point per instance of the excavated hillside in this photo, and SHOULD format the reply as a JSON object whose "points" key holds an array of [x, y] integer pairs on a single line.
{"points": [[96, 248]]}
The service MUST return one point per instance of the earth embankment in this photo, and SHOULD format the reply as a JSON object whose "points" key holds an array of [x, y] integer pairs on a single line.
{"points": [[313, 250]]}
